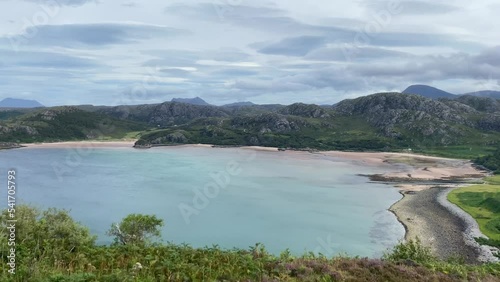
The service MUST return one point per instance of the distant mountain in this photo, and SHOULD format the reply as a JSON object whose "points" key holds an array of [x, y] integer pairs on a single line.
{"points": [[19, 103], [482, 104], [193, 101], [428, 91], [239, 104], [485, 93]]}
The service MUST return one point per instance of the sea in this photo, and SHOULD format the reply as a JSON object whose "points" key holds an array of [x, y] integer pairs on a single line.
{"points": [[226, 197]]}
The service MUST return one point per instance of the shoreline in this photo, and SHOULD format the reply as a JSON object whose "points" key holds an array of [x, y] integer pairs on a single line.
{"points": [[409, 172], [423, 181], [439, 224], [73, 144], [434, 225], [472, 230]]}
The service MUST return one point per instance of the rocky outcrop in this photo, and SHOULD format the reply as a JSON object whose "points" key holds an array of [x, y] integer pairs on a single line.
{"points": [[267, 123], [174, 113], [481, 104], [304, 110], [174, 138], [9, 145], [395, 113]]}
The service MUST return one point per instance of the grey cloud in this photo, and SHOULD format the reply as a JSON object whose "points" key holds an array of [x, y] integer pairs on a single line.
{"points": [[411, 7], [85, 35], [176, 72], [173, 58], [233, 72], [163, 93], [350, 53], [335, 30], [225, 55], [262, 18], [405, 39], [333, 77], [490, 56], [186, 58], [295, 46], [13, 59], [73, 3], [269, 86], [362, 76], [129, 4], [430, 68], [224, 11]]}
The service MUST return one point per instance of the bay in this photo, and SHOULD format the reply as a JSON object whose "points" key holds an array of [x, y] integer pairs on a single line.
{"points": [[228, 197]]}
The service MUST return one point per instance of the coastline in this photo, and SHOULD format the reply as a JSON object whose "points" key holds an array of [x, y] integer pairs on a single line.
{"points": [[78, 144], [438, 227], [424, 182]]}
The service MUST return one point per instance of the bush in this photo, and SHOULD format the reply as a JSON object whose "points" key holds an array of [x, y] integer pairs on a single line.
{"points": [[136, 229], [412, 250]]}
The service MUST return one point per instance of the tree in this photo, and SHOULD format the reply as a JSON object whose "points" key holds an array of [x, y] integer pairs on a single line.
{"points": [[136, 229], [50, 232]]}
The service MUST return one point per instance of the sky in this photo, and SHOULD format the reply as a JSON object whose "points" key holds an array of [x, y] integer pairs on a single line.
{"points": [[110, 52]]}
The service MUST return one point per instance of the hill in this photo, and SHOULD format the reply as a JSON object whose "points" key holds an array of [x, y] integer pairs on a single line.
{"points": [[485, 93], [428, 91], [193, 101], [64, 124], [239, 104], [378, 122], [165, 114], [19, 103]]}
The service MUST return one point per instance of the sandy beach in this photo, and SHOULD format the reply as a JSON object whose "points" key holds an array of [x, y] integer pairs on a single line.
{"points": [[423, 180], [79, 144]]}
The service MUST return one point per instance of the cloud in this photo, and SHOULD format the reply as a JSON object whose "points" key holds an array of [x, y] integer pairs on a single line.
{"points": [[411, 7], [266, 19], [129, 4], [431, 68], [352, 53], [176, 72], [220, 11], [334, 30], [295, 46], [271, 51], [233, 72], [73, 3], [37, 59], [490, 56], [87, 35]]}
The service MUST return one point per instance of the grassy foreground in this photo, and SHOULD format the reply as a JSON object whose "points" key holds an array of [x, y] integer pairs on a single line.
{"points": [[51, 246], [482, 202]]}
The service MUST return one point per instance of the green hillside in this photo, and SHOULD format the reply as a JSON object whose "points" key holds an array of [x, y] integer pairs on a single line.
{"points": [[465, 127], [64, 124]]}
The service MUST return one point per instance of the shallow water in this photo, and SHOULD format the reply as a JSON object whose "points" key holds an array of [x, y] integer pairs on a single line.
{"points": [[206, 196]]}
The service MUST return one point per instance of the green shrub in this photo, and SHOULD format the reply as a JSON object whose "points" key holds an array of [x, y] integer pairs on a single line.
{"points": [[412, 250]]}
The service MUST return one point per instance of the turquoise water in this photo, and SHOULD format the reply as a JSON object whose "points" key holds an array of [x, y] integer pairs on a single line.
{"points": [[206, 196]]}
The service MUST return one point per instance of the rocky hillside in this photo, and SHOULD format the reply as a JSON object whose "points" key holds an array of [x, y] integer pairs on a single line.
{"points": [[482, 104], [385, 121], [64, 123], [304, 110], [401, 115], [165, 114]]}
